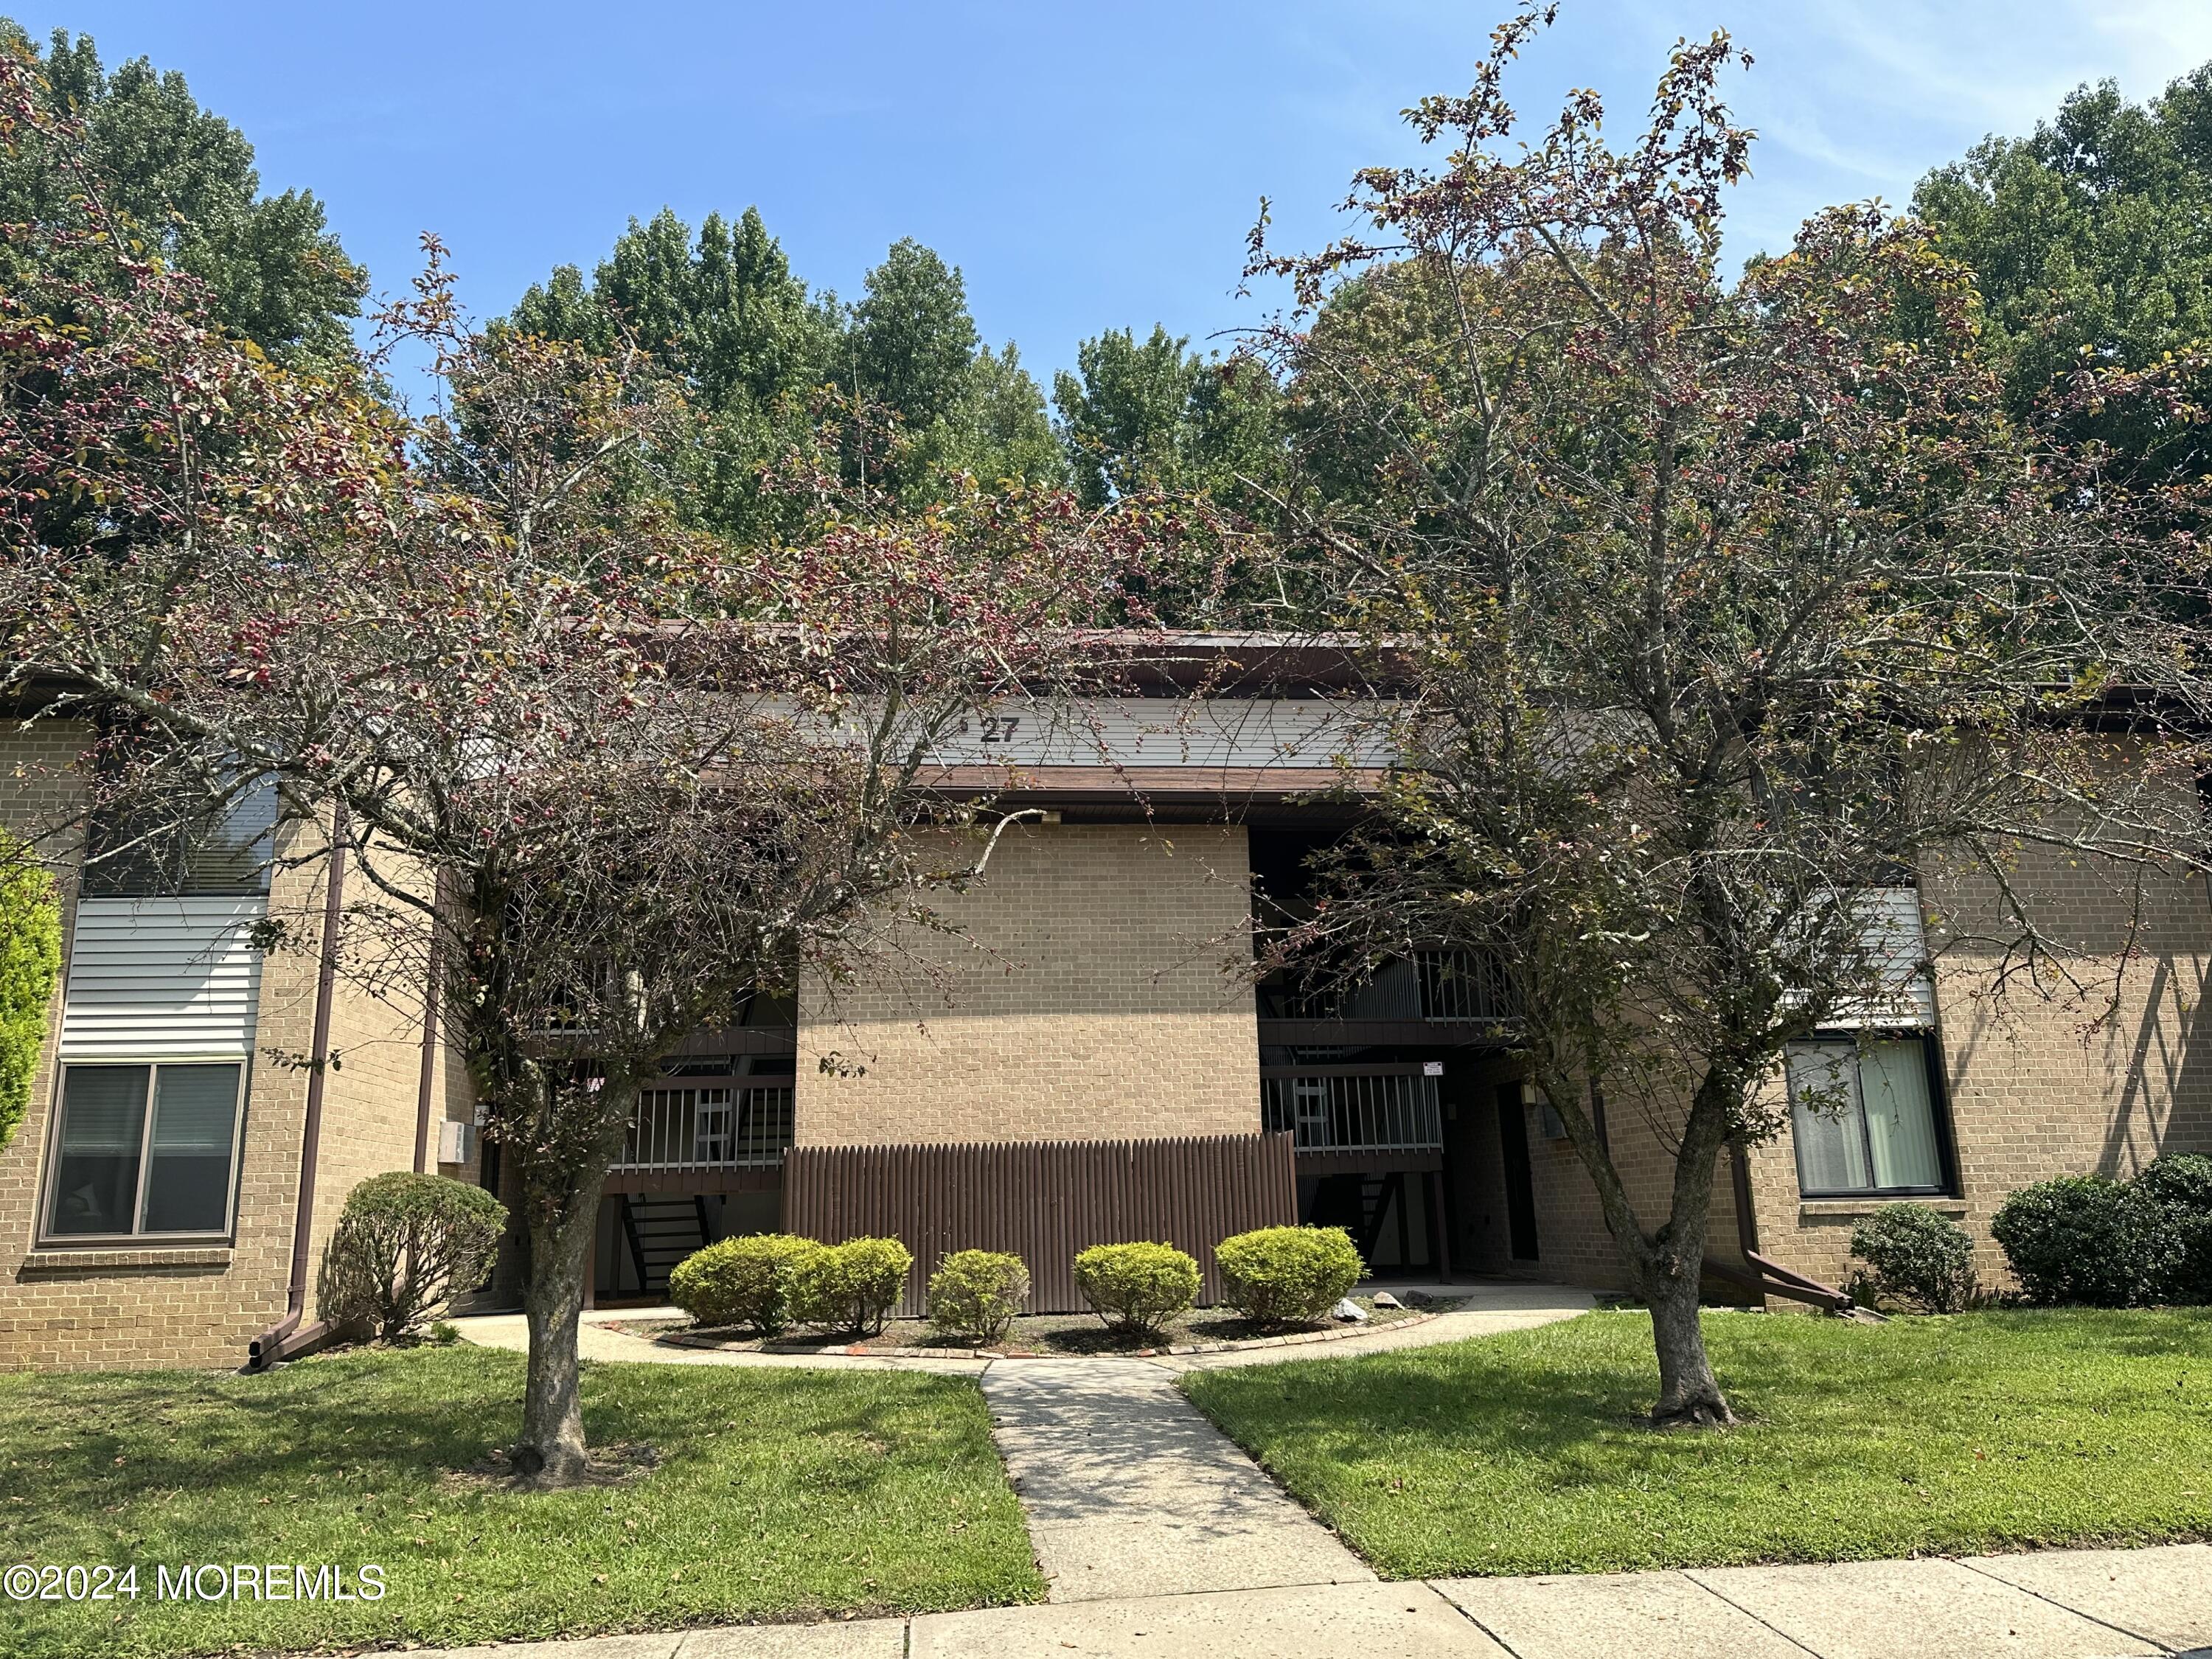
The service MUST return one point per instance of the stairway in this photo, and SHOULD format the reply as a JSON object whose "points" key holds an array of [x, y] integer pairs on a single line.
{"points": [[1359, 1204], [661, 1230]]}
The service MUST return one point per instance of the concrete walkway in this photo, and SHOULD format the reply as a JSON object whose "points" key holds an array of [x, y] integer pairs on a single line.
{"points": [[1129, 1491], [2087, 1604]]}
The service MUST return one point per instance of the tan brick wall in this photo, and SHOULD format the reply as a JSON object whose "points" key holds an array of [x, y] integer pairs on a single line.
{"points": [[1088, 999], [200, 1305], [196, 1305], [2038, 1086]]}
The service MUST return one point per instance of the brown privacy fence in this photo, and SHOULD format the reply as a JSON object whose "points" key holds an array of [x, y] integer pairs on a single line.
{"points": [[1043, 1200]]}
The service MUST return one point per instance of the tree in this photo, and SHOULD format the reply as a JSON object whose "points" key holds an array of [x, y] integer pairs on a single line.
{"points": [[911, 346], [622, 772], [30, 962], [1156, 416], [183, 182], [2091, 243], [1720, 606]]}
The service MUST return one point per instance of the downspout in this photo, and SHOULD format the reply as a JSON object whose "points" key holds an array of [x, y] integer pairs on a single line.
{"points": [[430, 989], [1759, 1272], [286, 1337]]}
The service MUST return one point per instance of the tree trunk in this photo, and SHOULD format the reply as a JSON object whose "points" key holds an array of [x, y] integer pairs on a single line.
{"points": [[551, 1452], [561, 1197], [1689, 1394]]}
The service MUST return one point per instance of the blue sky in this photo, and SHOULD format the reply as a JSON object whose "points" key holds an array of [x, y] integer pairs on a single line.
{"points": [[1088, 166]]}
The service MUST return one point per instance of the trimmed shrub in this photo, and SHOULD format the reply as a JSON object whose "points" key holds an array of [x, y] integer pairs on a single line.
{"points": [[405, 1245], [1137, 1287], [2175, 1193], [30, 962], [850, 1286], [976, 1293], [1284, 1275], [746, 1282], [1919, 1254], [2077, 1238]]}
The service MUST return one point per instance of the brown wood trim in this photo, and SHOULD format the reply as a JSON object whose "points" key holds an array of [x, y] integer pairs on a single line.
{"points": [[1383, 1034], [1335, 1162], [685, 1183]]}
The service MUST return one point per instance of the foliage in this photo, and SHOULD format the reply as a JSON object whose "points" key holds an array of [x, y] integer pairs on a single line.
{"points": [[183, 182], [2076, 1238], [1983, 1433], [1158, 416], [1137, 1287], [897, 385], [976, 1293], [877, 1492], [2178, 1189], [746, 1282], [1917, 1252], [405, 1245], [655, 772], [1285, 1275], [30, 963], [1694, 588], [850, 1286], [2107, 1244]]}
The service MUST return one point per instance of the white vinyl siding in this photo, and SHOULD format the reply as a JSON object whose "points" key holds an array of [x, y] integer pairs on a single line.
{"points": [[1891, 919], [156, 977]]}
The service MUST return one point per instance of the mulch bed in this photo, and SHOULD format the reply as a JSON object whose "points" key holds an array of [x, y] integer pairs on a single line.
{"points": [[1203, 1330]]}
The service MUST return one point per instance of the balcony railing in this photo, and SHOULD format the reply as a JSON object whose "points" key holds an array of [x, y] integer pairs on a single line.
{"points": [[1436, 987], [1352, 1109], [709, 1125]]}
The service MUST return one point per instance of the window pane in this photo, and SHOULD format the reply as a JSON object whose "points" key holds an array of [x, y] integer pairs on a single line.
{"points": [[96, 1171], [188, 1170], [1900, 1119], [1824, 1110]]}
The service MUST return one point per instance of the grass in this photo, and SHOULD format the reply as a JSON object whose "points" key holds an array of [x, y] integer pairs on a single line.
{"points": [[777, 1495], [1520, 1453]]}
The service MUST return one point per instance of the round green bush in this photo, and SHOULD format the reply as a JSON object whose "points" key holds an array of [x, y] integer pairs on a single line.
{"points": [[2078, 1238], [1287, 1275], [1918, 1253], [405, 1246], [30, 962], [2174, 1194], [850, 1286], [1137, 1287], [746, 1282], [976, 1293]]}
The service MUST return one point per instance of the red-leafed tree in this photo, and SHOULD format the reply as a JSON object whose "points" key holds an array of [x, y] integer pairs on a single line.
{"points": [[648, 772], [1723, 603]]}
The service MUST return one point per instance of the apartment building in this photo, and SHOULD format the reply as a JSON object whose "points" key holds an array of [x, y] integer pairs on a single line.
{"points": [[1083, 1056]]}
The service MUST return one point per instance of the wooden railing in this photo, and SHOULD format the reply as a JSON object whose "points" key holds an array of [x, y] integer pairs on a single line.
{"points": [[731, 1123], [1346, 1108]]}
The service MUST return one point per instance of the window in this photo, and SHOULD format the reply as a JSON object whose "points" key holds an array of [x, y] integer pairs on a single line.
{"points": [[148, 846], [1863, 1115], [144, 1150]]}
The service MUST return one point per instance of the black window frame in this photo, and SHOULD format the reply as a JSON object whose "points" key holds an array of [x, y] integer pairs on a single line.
{"points": [[1939, 1115]]}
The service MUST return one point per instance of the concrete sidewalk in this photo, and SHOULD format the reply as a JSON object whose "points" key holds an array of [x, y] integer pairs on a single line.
{"points": [[2084, 1604]]}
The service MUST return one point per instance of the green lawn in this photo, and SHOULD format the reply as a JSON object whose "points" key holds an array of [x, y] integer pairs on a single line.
{"points": [[1519, 1454], [778, 1494]]}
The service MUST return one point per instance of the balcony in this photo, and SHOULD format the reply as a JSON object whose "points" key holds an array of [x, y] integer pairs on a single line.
{"points": [[708, 1125], [1450, 997], [1352, 1109]]}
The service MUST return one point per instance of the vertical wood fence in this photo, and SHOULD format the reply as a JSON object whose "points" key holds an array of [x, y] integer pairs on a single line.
{"points": [[1042, 1201]]}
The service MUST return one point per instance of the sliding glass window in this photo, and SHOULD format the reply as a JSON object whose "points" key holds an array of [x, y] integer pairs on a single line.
{"points": [[145, 1150]]}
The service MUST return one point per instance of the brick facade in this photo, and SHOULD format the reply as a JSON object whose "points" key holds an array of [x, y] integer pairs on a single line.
{"points": [[199, 1303], [1088, 999]]}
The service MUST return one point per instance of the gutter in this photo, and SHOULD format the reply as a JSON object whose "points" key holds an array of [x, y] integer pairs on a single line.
{"points": [[286, 1337]]}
